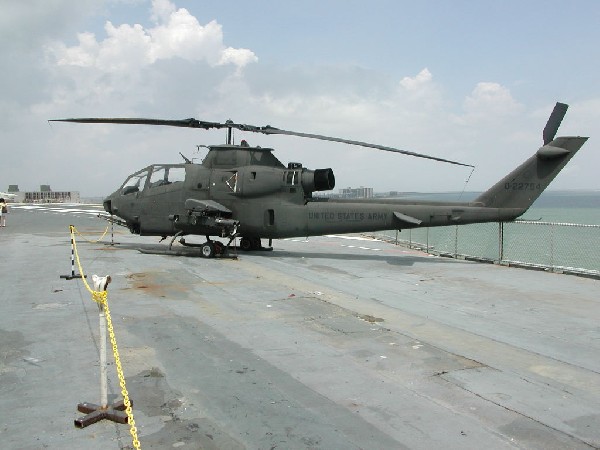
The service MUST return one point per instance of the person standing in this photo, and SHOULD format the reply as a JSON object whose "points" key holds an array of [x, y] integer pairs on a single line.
{"points": [[3, 212]]}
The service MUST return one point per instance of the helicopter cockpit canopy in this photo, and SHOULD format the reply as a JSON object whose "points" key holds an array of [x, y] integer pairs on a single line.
{"points": [[135, 182], [153, 176]]}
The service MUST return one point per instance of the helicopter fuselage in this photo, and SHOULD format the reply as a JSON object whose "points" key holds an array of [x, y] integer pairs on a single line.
{"points": [[265, 199]]}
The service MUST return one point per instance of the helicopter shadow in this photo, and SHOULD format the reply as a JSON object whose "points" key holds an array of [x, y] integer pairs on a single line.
{"points": [[399, 260], [192, 252]]}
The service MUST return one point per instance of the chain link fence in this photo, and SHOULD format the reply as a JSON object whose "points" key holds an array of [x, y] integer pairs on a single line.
{"points": [[557, 247]]}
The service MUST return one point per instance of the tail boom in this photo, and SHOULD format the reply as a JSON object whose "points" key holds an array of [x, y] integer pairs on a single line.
{"points": [[505, 201]]}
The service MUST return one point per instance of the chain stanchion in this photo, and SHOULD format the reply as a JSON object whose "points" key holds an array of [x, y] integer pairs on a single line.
{"points": [[73, 274], [116, 411], [120, 411]]}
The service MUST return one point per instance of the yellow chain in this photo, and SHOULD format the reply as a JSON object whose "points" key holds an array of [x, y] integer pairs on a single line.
{"points": [[87, 240], [101, 298], [126, 401]]}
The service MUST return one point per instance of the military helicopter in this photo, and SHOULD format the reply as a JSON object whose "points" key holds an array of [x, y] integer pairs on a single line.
{"points": [[244, 191]]}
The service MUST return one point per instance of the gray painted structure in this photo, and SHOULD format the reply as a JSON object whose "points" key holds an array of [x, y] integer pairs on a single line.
{"points": [[330, 343]]}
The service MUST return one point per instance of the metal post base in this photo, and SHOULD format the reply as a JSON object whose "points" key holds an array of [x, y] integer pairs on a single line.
{"points": [[115, 412], [70, 277]]}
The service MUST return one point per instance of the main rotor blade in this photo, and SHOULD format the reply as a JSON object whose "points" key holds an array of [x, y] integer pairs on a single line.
{"points": [[194, 123], [271, 130], [554, 121], [185, 123]]}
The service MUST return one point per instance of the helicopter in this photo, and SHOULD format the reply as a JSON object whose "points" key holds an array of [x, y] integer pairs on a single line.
{"points": [[246, 192]]}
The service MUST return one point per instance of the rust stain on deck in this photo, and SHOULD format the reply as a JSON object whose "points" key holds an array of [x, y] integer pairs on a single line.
{"points": [[157, 284]]}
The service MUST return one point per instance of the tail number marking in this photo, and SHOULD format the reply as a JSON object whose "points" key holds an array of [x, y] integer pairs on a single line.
{"points": [[514, 186]]}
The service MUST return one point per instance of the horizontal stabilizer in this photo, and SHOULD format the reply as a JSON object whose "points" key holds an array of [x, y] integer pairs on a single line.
{"points": [[407, 219], [550, 152]]}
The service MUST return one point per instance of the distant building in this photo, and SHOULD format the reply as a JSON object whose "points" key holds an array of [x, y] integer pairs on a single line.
{"points": [[361, 192], [44, 195]]}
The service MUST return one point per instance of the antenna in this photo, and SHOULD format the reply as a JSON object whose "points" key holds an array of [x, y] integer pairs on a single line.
{"points": [[228, 123]]}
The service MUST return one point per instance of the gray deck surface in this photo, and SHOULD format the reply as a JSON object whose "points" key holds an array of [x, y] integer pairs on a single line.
{"points": [[329, 343]]}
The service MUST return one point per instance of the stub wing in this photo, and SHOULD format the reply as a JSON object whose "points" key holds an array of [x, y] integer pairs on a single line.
{"points": [[405, 219], [206, 205]]}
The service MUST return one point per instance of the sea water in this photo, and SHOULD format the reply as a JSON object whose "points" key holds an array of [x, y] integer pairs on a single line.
{"points": [[560, 230], [581, 207]]}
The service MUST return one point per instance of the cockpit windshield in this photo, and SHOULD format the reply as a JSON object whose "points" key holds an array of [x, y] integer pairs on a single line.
{"points": [[135, 182], [159, 175], [163, 175]]}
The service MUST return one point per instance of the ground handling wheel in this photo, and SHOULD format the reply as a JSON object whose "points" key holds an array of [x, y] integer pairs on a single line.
{"points": [[208, 250], [246, 244]]}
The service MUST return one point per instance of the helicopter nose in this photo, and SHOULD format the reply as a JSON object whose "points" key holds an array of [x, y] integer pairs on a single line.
{"points": [[108, 206]]}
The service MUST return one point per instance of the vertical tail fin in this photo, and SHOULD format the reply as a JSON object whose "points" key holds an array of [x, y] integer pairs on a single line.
{"points": [[521, 187]]}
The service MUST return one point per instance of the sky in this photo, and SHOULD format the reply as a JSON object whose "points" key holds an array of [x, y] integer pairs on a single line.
{"points": [[461, 80]]}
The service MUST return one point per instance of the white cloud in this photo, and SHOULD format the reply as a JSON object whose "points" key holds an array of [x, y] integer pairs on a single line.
{"points": [[239, 57], [421, 80], [490, 99], [83, 55], [420, 93], [176, 34]]}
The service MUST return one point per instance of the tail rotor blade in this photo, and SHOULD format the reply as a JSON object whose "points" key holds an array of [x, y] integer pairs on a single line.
{"points": [[554, 121]]}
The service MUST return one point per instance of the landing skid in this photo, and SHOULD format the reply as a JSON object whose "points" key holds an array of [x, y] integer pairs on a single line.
{"points": [[182, 251], [193, 251], [246, 244], [255, 244], [211, 249]]}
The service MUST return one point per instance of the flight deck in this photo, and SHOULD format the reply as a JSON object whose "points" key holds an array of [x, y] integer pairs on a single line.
{"points": [[333, 342]]}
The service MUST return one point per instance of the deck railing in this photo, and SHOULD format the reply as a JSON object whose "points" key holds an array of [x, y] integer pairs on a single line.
{"points": [[557, 247]]}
